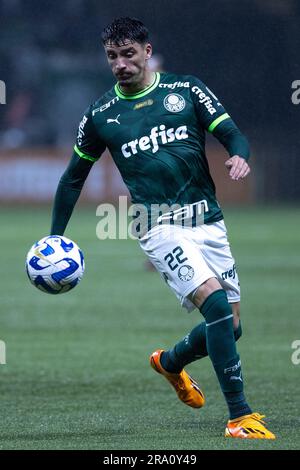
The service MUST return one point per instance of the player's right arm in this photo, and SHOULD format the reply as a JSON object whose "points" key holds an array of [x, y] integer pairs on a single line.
{"points": [[87, 151]]}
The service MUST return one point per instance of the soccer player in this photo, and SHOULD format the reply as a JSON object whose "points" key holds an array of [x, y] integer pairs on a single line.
{"points": [[154, 126]]}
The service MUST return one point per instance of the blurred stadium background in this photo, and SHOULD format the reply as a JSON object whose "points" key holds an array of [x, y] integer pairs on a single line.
{"points": [[53, 65], [66, 383]]}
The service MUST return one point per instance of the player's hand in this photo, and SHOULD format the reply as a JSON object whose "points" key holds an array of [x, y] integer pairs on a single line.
{"points": [[238, 167]]}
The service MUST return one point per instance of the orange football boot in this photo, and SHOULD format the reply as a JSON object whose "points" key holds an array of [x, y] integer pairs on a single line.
{"points": [[248, 427], [187, 389]]}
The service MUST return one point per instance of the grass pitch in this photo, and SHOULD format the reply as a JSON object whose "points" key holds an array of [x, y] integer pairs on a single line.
{"points": [[77, 373]]}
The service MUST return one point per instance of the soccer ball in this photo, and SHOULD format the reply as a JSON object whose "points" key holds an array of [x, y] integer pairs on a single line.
{"points": [[55, 264]]}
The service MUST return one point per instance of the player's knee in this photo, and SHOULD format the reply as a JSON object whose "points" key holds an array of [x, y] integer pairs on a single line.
{"points": [[205, 290], [236, 314], [237, 327], [237, 331]]}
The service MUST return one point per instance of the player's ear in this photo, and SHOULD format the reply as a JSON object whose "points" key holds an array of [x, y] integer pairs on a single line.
{"points": [[148, 51]]}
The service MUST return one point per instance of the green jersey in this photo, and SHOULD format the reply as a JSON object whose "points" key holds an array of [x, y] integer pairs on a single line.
{"points": [[157, 140]]}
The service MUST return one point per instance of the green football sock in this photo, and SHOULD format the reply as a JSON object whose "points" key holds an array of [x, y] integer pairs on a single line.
{"points": [[222, 352], [191, 348], [216, 338], [220, 341]]}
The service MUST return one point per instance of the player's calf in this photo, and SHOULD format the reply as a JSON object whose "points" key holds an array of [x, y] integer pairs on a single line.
{"points": [[222, 351]]}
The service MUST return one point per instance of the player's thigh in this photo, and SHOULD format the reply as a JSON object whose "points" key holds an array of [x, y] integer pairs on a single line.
{"points": [[218, 257]]}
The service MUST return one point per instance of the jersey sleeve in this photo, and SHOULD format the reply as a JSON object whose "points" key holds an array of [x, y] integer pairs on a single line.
{"points": [[88, 144], [213, 117], [210, 112], [68, 192]]}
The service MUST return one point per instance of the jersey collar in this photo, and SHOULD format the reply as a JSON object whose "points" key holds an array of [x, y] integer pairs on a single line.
{"points": [[141, 93]]}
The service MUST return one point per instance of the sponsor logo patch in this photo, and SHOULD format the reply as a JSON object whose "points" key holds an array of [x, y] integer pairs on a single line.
{"points": [[143, 104], [105, 106]]}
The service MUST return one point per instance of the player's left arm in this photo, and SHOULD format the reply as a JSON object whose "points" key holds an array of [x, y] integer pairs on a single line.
{"points": [[236, 145], [238, 167], [214, 118]]}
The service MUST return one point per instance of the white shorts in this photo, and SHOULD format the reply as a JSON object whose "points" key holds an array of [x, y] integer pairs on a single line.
{"points": [[188, 256]]}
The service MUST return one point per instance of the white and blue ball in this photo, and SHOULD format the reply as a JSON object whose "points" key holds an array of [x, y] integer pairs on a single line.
{"points": [[55, 264]]}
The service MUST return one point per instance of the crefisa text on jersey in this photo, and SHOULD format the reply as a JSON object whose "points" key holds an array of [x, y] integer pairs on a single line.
{"points": [[204, 99], [80, 134], [146, 142], [174, 85]]}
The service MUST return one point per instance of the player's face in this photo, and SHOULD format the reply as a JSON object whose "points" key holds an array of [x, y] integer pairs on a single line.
{"points": [[128, 62]]}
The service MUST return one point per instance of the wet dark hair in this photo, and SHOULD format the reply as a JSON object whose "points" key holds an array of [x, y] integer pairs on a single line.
{"points": [[122, 29]]}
